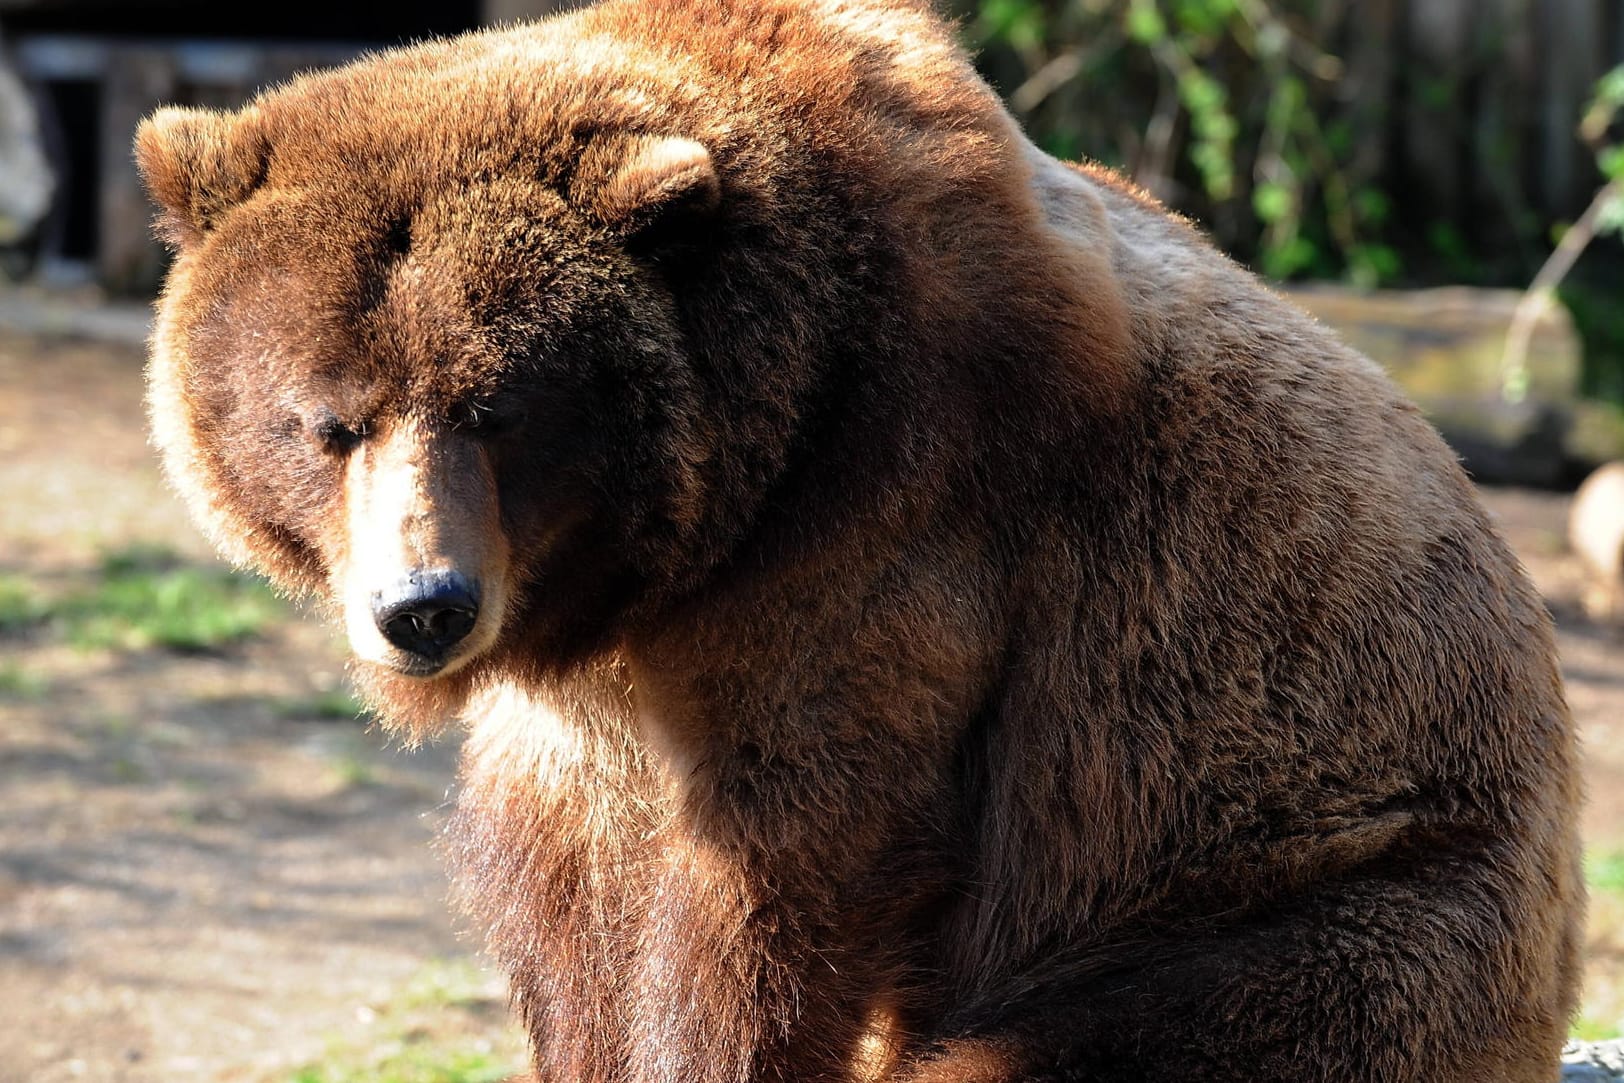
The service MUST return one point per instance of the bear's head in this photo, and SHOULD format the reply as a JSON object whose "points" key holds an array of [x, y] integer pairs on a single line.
{"points": [[495, 343], [433, 384]]}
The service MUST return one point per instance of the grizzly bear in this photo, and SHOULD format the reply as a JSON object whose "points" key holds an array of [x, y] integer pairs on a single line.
{"points": [[922, 614]]}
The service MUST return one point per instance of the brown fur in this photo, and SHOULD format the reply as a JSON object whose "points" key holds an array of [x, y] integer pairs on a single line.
{"points": [[955, 625]]}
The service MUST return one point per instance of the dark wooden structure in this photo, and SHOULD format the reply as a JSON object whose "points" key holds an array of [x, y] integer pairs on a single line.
{"points": [[1465, 110], [97, 66]]}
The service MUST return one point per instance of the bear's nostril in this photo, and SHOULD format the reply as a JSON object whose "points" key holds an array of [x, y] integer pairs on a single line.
{"points": [[451, 624], [429, 614]]}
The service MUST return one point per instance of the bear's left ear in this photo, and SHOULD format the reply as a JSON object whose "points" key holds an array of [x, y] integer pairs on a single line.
{"points": [[198, 164], [650, 188]]}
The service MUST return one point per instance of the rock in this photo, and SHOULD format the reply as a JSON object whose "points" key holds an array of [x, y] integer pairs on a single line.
{"points": [[1515, 443], [1447, 344], [26, 183], [1596, 534], [1597, 433], [1445, 347], [1593, 1062]]}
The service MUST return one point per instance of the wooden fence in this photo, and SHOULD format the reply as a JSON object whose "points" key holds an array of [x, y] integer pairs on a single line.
{"points": [[1483, 98], [1464, 110]]}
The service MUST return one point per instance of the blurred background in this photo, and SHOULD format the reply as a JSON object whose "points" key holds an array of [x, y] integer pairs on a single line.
{"points": [[211, 867]]}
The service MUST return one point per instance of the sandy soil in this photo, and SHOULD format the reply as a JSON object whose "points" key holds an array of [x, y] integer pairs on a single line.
{"points": [[200, 881]]}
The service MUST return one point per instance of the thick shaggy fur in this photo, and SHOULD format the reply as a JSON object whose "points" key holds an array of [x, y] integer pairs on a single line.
{"points": [[954, 625]]}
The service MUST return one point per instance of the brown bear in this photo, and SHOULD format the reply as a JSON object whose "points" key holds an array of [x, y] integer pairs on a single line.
{"points": [[922, 614]]}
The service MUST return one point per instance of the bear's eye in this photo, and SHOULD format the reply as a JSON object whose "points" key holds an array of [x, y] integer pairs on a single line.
{"points": [[484, 418], [333, 435]]}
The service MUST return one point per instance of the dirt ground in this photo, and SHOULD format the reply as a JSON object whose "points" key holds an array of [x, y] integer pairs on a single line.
{"points": [[204, 878], [199, 880]]}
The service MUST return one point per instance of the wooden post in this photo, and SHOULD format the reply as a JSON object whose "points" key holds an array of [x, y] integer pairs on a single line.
{"points": [[1571, 43], [128, 259], [1502, 126], [1438, 35], [1373, 37]]}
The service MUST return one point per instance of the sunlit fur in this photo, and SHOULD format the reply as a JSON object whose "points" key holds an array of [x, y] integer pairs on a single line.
{"points": [[958, 627], [419, 503]]}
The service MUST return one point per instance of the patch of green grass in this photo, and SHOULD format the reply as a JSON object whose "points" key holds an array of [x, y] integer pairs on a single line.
{"points": [[1587, 1029], [349, 755], [125, 769], [1602, 1010], [447, 1024], [409, 1061], [1605, 871], [337, 705], [146, 597], [20, 604], [352, 770], [17, 683], [451, 983]]}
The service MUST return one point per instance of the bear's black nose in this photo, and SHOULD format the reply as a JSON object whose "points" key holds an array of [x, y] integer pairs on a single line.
{"points": [[428, 613]]}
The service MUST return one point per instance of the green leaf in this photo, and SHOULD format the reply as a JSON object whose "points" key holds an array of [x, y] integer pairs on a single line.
{"points": [[1339, 137], [1610, 215], [1272, 201], [1447, 241], [1369, 265], [1610, 90], [1371, 206], [1215, 125], [1144, 23], [1610, 160], [1200, 93], [1019, 23], [1217, 174], [1285, 260], [1063, 145], [1204, 18]]}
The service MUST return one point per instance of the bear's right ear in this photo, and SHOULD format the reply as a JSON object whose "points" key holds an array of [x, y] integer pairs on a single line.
{"points": [[649, 188], [197, 164]]}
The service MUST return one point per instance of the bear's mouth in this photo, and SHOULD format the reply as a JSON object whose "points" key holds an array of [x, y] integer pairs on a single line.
{"points": [[422, 668], [418, 667]]}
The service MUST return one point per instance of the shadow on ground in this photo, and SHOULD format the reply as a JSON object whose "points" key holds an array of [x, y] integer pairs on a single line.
{"points": [[210, 870]]}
